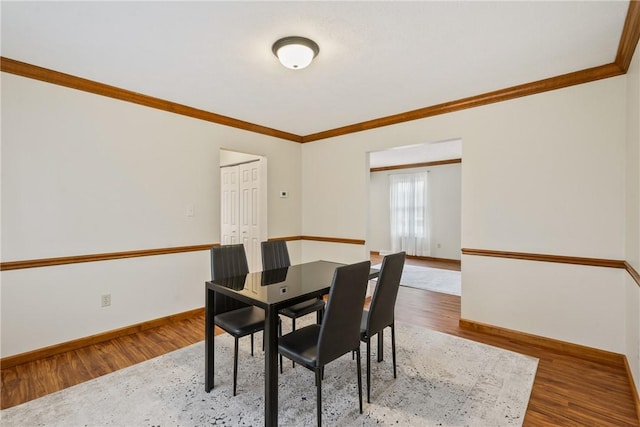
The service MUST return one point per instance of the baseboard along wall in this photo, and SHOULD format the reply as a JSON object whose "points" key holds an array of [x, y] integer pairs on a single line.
{"points": [[11, 361]]}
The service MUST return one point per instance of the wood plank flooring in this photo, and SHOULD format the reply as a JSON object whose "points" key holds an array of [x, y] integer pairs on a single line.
{"points": [[567, 391]]}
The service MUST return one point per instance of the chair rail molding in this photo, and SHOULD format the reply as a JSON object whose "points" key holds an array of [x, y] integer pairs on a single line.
{"points": [[594, 262]]}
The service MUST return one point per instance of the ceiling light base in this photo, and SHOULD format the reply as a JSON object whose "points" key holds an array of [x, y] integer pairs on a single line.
{"points": [[295, 52]]}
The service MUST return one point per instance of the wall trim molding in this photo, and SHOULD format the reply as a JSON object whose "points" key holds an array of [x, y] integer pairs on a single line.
{"points": [[429, 258], [11, 361], [632, 272], [76, 259], [526, 89], [416, 165], [426, 258], [630, 36], [286, 239], [320, 239], [67, 80], [594, 262], [584, 352], [626, 47], [333, 240], [634, 389], [35, 72]]}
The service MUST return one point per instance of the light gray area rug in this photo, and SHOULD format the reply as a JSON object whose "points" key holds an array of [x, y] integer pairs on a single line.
{"points": [[442, 380], [431, 279]]}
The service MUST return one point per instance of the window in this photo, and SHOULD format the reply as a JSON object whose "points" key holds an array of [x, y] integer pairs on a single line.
{"points": [[409, 214]]}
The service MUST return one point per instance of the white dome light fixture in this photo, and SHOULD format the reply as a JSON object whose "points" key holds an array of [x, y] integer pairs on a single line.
{"points": [[295, 52]]}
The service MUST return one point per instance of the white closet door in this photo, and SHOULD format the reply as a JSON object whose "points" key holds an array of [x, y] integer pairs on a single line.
{"points": [[243, 216], [250, 188], [229, 226]]}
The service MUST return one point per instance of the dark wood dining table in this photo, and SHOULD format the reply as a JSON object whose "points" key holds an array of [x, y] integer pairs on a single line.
{"points": [[270, 290]]}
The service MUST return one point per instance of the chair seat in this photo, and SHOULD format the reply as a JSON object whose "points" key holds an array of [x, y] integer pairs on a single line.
{"points": [[302, 308], [301, 345], [241, 322]]}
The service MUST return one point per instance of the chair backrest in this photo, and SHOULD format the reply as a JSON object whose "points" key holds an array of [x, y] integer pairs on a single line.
{"points": [[275, 255], [228, 261], [383, 301], [340, 330]]}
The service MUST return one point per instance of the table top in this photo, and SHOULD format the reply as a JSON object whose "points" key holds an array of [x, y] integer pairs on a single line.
{"points": [[272, 287]]}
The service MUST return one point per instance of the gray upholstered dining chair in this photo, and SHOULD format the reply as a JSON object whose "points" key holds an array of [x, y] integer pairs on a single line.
{"points": [[235, 317], [381, 309], [276, 255], [315, 346]]}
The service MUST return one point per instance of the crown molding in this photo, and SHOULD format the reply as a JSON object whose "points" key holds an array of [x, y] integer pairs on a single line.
{"points": [[416, 165], [630, 36], [67, 80], [628, 42], [553, 83]]}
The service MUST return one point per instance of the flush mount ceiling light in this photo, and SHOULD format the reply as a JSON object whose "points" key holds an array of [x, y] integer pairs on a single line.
{"points": [[295, 52]]}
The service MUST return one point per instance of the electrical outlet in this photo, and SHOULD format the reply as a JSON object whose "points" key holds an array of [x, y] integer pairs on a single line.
{"points": [[105, 300]]}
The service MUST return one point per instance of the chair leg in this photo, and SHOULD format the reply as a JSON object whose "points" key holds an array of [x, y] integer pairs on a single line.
{"points": [[252, 345], [393, 348], [235, 366], [280, 334], [293, 328], [319, 395], [368, 369], [359, 379]]}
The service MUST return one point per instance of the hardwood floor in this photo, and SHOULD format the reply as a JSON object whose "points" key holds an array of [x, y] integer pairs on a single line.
{"points": [[567, 391]]}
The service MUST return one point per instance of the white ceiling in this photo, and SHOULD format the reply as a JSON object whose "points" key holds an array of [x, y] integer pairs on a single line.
{"points": [[376, 58]]}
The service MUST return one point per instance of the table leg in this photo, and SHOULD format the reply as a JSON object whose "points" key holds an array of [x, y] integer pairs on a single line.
{"points": [[209, 335], [380, 342], [271, 368]]}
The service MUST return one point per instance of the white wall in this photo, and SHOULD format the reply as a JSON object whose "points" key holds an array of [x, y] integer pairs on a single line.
{"points": [[633, 216], [444, 184], [542, 174], [85, 174]]}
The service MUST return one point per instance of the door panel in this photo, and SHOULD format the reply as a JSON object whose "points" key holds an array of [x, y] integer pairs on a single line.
{"points": [[243, 206], [250, 207], [229, 207]]}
